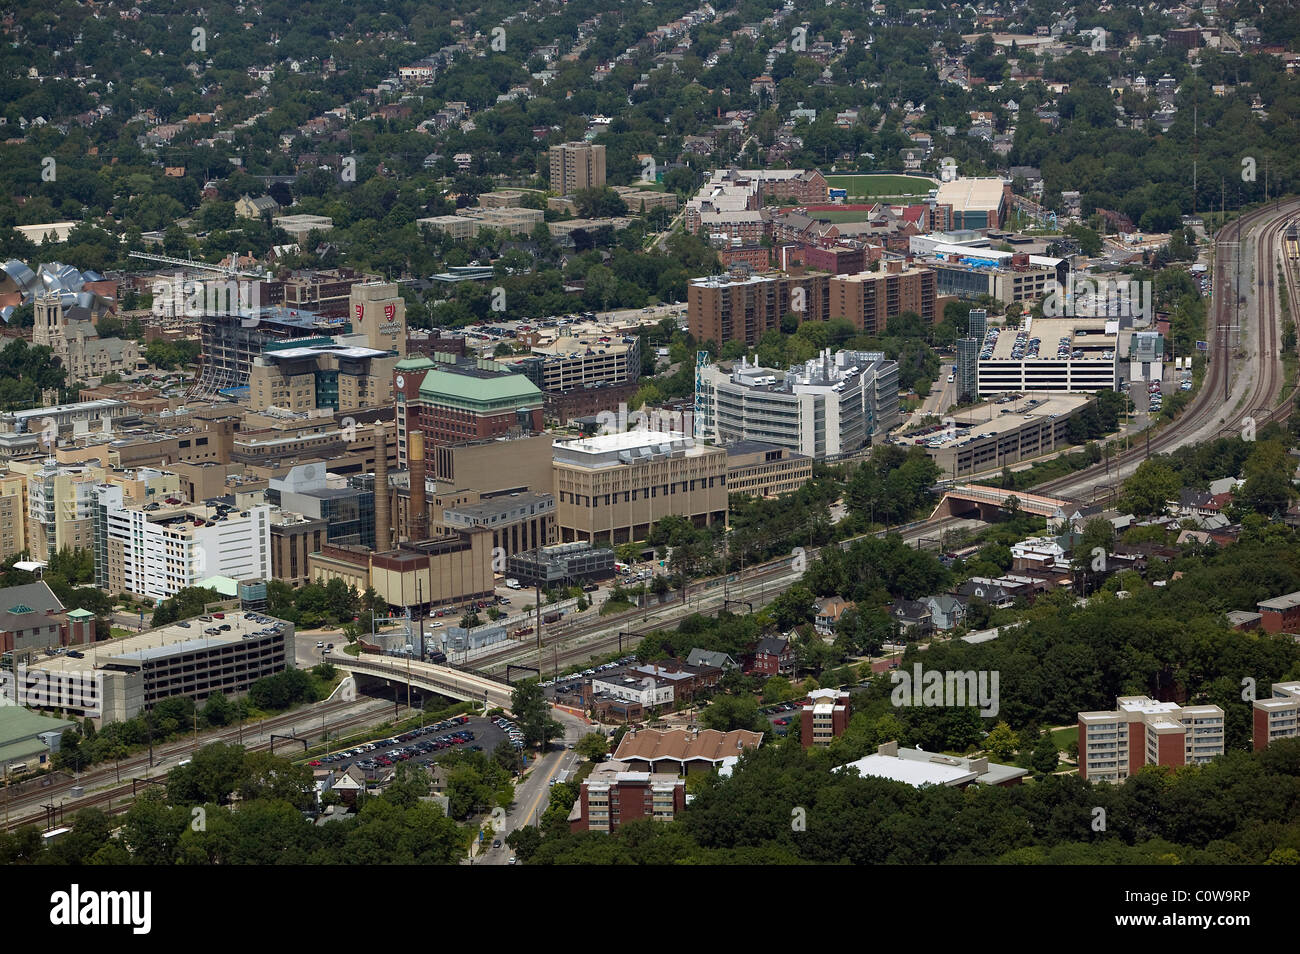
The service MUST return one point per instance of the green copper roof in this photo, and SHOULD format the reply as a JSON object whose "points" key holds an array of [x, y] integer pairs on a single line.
{"points": [[480, 392], [414, 362]]}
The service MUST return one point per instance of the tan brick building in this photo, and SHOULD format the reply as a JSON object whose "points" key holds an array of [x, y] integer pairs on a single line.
{"points": [[870, 299], [613, 488]]}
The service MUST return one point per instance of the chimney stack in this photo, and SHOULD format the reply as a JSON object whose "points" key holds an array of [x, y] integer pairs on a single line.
{"points": [[383, 518], [418, 518]]}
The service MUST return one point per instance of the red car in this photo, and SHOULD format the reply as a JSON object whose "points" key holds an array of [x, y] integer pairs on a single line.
{"points": [[314, 762]]}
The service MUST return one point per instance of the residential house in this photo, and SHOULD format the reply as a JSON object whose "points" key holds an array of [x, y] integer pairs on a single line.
{"points": [[946, 611], [772, 655], [829, 611], [913, 616]]}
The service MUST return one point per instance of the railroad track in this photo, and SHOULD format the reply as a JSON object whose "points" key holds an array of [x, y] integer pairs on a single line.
{"points": [[30, 809]]}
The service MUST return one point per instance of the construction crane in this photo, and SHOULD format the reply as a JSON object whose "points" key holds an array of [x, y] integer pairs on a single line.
{"points": [[229, 270]]}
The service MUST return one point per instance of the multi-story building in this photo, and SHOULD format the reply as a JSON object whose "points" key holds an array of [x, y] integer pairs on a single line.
{"points": [[293, 539], [765, 470], [61, 507], [612, 488], [345, 505], [1051, 354], [519, 521], [32, 431], [577, 165], [1277, 717], [157, 550], [750, 189], [722, 308], [452, 402], [830, 406], [13, 514], [442, 572], [968, 354], [1281, 614], [684, 752], [1006, 276], [118, 680], [570, 362], [334, 376], [870, 299], [976, 203], [824, 717], [611, 795], [1141, 731]]}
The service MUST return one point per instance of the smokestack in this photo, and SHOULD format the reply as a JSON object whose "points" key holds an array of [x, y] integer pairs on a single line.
{"points": [[383, 517], [418, 518]]}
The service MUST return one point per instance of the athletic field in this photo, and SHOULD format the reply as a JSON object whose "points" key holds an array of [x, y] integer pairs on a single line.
{"points": [[881, 185]]}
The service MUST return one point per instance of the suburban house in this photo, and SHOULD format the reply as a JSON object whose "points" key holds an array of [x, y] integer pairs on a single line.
{"points": [[771, 655], [706, 657], [946, 612], [829, 612], [913, 616]]}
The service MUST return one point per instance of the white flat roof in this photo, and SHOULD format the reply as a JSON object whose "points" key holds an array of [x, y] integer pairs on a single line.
{"points": [[911, 772], [625, 440]]}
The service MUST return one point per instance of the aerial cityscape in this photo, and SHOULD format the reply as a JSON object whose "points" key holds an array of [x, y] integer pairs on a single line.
{"points": [[740, 433]]}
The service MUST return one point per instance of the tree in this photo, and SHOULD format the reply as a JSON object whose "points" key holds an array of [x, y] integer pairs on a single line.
{"points": [[1152, 485], [1002, 743], [593, 746], [1045, 756], [725, 713], [528, 702]]}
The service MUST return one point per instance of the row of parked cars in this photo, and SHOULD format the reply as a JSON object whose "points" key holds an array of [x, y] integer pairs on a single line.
{"points": [[410, 747], [512, 731], [570, 682]]}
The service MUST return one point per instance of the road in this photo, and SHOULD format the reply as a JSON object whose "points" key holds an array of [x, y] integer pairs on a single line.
{"points": [[532, 795]]}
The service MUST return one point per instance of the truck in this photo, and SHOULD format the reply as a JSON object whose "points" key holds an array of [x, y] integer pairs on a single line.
{"points": [[513, 584]]}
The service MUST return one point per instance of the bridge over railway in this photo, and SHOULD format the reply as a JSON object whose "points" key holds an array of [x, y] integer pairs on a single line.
{"points": [[987, 501], [430, 677]]}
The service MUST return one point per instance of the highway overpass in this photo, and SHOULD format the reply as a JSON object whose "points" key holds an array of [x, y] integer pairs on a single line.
{"points": [[429, 678]]}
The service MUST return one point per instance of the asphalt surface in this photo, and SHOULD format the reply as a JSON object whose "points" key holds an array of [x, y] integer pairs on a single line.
{"points": [[486, 735]]}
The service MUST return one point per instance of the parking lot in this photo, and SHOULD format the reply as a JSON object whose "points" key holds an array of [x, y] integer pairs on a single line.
{"points": [[570, 684], [420, 746], [784, 717]]}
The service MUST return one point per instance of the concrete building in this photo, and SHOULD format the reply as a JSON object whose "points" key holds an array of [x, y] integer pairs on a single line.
{"points": [[27, 740], [61, 507], [120, 679], [577, 165], [828, 407], [1051, 354], [157, 550], [13, 515], [612, 795], [870, 299], [976, 203], [442, 572], [309, 377], [1141, 731], [519, 522], [300, 225], [920, 769], [574, 362], [1008, 277], [722, 308], [1277, 717], [988, 437], [759, 469], [824, 717], [612, 488]]}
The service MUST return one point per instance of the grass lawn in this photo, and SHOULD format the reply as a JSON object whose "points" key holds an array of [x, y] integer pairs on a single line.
{"points": [[117, 632], [1063, 737], [881, 185]]}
